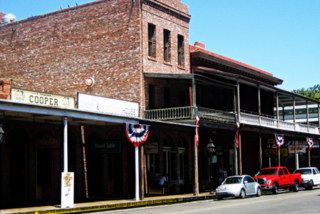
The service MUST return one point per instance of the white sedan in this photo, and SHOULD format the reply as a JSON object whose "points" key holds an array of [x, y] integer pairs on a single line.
{"points": [[310, 177], [238, 186]]}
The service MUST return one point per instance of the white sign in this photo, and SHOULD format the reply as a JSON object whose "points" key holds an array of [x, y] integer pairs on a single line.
{"points": [[67, 190], [298, 148], [108, 105], [38, 98]]}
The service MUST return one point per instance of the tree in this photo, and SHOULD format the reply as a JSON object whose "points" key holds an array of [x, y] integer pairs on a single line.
{"points": [[312, 92]]}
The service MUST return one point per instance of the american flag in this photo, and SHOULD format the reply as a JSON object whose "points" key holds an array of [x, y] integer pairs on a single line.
{"points": [[196, 137], [237, 135]]}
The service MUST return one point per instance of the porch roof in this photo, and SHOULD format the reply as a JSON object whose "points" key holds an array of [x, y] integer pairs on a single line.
{"points": [[29, 112], [201, 53]]}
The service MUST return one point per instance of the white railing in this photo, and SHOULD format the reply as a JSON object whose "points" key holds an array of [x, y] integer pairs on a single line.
{"points": [[252, 119]]}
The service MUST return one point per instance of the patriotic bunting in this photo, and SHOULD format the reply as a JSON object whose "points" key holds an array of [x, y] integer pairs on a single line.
{"points": [[310, 142], [137, 134], [279, 139]]}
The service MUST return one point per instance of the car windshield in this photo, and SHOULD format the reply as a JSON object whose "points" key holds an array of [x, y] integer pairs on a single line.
{"points": [[233, 180], [303, 171], [267, 172]]}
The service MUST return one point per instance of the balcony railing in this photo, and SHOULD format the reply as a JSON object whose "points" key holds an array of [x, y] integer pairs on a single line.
{"points": [[187, 113], [178, 113], [217, 115], [257, 120]]}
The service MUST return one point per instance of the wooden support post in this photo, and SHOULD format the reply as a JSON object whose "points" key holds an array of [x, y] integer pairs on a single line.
{"points": [[240, 153], [260, 150], [309, 157], [84, 161], [195, 147], [279, 156], [196, 173]]}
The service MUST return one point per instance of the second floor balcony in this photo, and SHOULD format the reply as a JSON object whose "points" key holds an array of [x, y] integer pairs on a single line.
{"points": [[187, 114]]}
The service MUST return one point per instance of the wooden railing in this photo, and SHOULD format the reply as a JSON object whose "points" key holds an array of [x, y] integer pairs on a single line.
{"points": [[187, 113], [178, 113], [257, 120]]}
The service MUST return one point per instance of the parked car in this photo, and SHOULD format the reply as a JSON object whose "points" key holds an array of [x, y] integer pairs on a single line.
{"points": [[238, 186], [310, 177], [275, 178]]}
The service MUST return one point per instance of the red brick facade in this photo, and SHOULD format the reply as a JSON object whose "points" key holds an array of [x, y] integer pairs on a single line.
{"points": [[105, 40], [56, 52]]}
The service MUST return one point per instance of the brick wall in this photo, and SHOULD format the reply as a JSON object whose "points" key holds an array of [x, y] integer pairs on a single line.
{"points": [[56, 52], [177, 22]]}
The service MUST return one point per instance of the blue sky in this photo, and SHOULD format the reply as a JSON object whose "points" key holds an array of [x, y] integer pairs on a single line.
{"points": [[278, 36]]}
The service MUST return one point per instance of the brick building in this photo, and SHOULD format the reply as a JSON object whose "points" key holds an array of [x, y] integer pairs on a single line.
{"points": [[136, 51], [112, 44]]}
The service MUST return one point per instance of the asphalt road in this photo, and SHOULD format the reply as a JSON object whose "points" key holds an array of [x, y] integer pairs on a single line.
{"points": [[302, 202]]}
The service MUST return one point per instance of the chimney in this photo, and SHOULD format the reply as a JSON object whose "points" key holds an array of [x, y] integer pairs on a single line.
{"points": [[5, 89], [200, 45]]}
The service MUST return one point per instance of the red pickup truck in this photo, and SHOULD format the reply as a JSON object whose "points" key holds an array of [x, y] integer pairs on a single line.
{"points": [[275, 178]]}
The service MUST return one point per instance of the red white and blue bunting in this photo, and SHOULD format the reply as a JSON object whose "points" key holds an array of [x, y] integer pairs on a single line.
{"points": [[310, 142], [137, 134], [279, 139]]}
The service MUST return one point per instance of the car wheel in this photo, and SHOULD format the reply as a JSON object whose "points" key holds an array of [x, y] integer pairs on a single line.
{"points": [[258, 192], [242, 193], [219, 197], [275, 189], [295, 187]]}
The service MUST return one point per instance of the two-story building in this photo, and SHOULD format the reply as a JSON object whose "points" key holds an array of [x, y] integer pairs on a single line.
{"points": [[132, 52]]}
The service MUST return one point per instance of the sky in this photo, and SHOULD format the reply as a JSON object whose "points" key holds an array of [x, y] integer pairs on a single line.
{"points": [[281, 37]]}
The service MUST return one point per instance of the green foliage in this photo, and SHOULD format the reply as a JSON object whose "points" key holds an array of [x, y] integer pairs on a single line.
{"points": [[312, 92]]}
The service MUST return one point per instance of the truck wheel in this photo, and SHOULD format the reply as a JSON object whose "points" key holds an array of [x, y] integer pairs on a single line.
{"points": [[295, 187], [275, 189], [310, 185], [242, 193]]}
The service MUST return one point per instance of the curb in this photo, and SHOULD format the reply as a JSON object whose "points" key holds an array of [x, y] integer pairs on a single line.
{"points": [[125, 205]]}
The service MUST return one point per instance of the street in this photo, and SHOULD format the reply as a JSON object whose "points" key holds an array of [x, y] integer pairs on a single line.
{"points": [[285, 202]]}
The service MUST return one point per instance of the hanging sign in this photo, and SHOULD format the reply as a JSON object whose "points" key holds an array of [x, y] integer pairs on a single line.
{"points": [[137, 134], [310, 142], [279, 139]]}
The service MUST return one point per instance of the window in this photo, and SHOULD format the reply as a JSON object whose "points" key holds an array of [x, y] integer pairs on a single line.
{"points": [[180, 50], [166, 46], [152, 40]]}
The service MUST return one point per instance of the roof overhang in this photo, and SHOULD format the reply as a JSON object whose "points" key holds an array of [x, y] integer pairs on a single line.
{"points": [[30, 112], [169, 76], [242, 68]]}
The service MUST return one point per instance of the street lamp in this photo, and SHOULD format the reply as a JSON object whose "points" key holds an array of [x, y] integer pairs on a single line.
{"points": [[211, 148]]}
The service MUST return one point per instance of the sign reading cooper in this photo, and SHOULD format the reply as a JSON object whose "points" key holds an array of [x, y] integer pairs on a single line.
{"points": [[38, 98]]}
